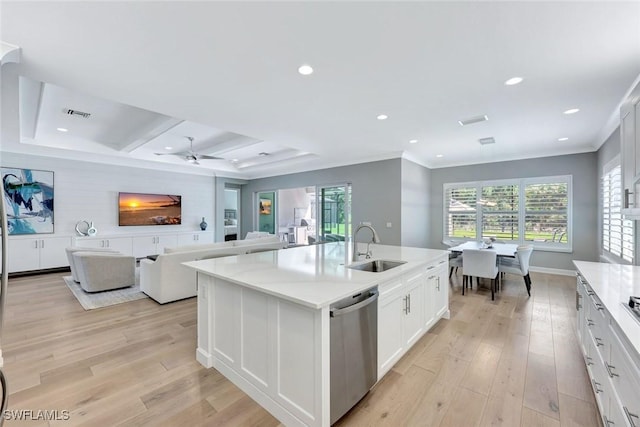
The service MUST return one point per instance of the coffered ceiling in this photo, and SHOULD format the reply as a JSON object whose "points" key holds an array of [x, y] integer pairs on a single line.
{"points": [[226, 73]]}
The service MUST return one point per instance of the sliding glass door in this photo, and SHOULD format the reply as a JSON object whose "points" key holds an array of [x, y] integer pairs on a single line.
{"points": [[334, 204]]}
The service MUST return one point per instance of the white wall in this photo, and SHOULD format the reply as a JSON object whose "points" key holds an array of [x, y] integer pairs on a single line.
{"points": [[288, 200], [89, 191]]}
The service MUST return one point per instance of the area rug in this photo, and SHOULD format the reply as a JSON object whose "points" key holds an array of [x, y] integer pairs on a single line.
{"points": [[89, 301]]}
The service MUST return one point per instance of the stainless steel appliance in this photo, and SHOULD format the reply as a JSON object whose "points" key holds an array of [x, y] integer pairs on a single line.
{"points": [[354, 350]]}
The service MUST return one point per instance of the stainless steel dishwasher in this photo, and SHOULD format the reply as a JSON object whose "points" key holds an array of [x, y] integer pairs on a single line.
{"points": [[354, 350]]}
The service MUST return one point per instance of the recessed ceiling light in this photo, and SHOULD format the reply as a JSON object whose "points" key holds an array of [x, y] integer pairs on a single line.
{"points": [[513, 81], [305, 70], [382, 117], [572, 111], [168, 148], [62, 129], [413, 141], [564, 138], [234, 160], [439, 155]]}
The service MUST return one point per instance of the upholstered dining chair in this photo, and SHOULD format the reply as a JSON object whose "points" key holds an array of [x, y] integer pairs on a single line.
{"points": [[518, 265], [481, 263]]}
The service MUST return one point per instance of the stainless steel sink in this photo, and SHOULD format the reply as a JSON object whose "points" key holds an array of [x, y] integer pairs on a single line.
{"points": [[377, 266]]}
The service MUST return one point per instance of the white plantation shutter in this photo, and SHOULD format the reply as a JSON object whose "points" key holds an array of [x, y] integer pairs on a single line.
{"points": [[617, 232], [460, 212], [500, 211], [546, 212], [526, 211]]}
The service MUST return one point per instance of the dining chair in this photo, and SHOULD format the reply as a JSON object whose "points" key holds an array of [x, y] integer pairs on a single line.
{"points": [[518, 265], [481, 263], [455, 262]]}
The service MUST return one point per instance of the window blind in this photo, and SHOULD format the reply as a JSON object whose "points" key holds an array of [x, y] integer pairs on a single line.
{"points": [[617, 232], [500, 211], [461, 212]]}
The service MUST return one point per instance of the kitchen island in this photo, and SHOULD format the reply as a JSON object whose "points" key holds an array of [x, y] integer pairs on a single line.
{"points": [[263, 318]]}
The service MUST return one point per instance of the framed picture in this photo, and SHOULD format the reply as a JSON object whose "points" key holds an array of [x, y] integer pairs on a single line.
{"points": [[265, 207], [28, 195]]}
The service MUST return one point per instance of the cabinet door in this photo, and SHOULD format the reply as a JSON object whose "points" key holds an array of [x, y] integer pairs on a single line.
{"points": [[441, 293], [189, 239], [205, 237], [415, 301], [52, 252], [144, 245], [164, 241], [430, 299], [628, 150], [391, 311], [23, 255], [120, 244]]}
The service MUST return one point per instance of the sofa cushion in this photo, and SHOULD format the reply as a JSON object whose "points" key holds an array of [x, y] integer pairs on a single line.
{"points": [[257, 241]]}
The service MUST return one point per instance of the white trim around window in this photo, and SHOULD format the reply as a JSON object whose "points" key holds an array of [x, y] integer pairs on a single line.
{"points": [[511, 211]]}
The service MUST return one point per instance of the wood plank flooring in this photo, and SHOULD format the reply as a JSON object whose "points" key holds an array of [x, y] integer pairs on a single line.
{"points": [[512, 361]]}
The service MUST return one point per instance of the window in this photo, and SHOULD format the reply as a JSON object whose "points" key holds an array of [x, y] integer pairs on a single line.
{"points": [[617, 232], [529, 210], [461, 212]]}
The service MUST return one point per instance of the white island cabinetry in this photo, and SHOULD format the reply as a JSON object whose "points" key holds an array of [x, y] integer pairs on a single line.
{"points": [[263, 319]]}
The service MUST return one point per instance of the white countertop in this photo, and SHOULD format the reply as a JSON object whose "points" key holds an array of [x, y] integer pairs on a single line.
{"points": [[613, 284], [314, 276]]}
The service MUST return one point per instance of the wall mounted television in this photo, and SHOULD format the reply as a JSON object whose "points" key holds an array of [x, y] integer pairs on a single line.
{"points": [[149, 209]]}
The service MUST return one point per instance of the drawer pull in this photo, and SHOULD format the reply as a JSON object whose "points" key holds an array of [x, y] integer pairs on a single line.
{"points": [[599, 306], [595, 386], [598, 341], [590, 322], [607, 421], [630, 416], [590, 293], [589, 361], [441, 262], [431, 267], [609, 370]]}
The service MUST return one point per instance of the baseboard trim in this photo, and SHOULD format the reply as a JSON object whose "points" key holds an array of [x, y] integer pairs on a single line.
{"points": [[558, 271]]}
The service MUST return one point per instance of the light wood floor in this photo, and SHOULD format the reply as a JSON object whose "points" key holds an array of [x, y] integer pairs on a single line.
{"points": [[511, 362]]}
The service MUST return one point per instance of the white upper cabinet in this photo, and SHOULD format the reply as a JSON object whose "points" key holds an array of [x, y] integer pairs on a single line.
{"points": [[630, 153]]}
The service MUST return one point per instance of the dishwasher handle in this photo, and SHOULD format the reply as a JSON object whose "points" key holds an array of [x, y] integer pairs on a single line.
{"points": [[373, 295]]}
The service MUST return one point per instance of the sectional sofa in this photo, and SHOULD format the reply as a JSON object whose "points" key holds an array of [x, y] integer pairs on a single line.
{"points": [[165, 279]]}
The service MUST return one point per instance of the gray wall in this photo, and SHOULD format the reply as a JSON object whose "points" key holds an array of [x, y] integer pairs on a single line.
{"points": [[416, 203], [605, 154], [583, 167], [375, 193]]}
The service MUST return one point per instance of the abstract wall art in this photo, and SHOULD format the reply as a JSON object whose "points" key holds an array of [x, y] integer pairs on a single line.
{"points": [[28, 195]]}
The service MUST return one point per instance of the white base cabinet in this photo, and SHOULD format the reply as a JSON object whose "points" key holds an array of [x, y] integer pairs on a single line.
{"points": [[407, 307], [28, 253], [194, 238], [153, 245], [612, 364]]}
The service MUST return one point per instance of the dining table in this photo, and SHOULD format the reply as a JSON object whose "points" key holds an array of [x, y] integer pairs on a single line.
{"points": [[508, 250]]}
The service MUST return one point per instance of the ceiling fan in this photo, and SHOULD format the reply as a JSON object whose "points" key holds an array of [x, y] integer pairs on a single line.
{"points": [[190, 156]]}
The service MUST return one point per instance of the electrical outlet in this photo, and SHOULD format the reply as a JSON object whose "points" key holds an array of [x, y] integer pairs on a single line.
{"points": [[388, 225]]}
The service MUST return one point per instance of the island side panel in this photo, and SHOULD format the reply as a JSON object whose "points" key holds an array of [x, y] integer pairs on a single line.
{"points": [[274, 350]]}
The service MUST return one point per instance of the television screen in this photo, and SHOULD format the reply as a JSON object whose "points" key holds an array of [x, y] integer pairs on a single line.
{"points": [[149, 209]]}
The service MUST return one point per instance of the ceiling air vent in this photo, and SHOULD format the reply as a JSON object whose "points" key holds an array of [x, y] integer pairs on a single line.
{"points": [[485, 141], [472, 120], [77, 113]]}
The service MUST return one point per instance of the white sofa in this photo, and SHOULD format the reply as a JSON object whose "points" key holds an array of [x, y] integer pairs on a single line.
{"points": [[166, 279]]}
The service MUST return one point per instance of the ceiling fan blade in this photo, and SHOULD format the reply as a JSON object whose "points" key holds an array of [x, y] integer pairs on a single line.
{"points": [[181, 154], [206, 157]]}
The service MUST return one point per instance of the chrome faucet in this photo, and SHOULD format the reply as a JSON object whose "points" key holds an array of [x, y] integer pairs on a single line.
{"points": [[375, 239]]}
